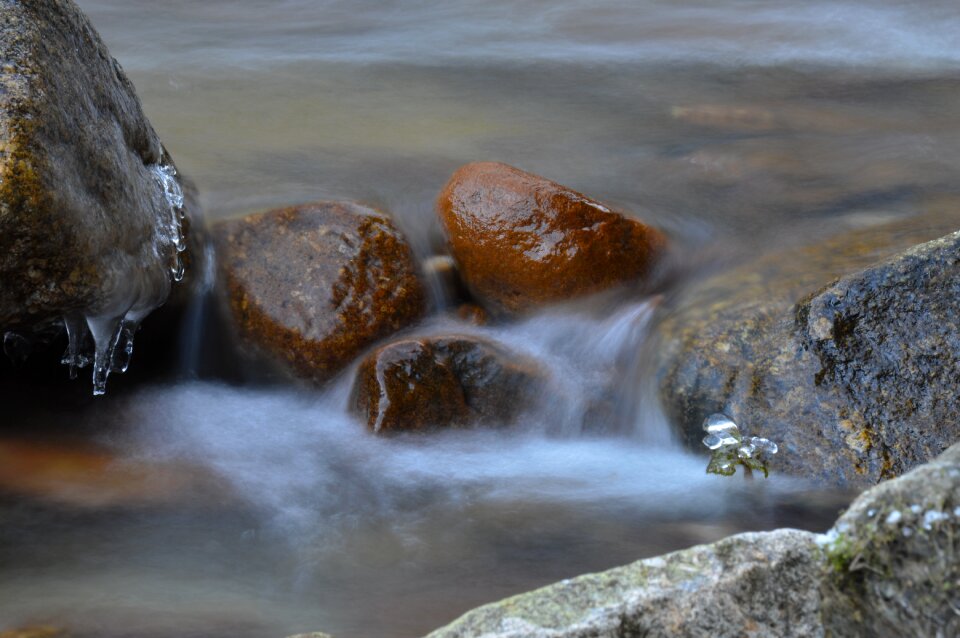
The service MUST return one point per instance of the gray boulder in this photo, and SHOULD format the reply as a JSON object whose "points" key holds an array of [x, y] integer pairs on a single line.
{"points": [[841, 352], [92, 208], [887, 568]]}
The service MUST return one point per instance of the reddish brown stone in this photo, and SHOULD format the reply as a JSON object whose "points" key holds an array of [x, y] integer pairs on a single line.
{"points": [[452, 381], [522, 241], [314, 285]]}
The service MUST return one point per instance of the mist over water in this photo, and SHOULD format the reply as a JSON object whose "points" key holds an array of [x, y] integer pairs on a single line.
{"points": [[202, 508]]}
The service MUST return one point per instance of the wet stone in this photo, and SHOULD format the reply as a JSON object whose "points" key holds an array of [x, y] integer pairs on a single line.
{"points": [[838, 351], [522, 241], [93, 213], [451, 381], [312, 286]]}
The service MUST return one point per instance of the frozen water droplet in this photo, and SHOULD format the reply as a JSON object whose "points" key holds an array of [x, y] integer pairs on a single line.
{"points": [[171, 239], [893, 518], [746, 451], [124, 349], [178, 269], [916, 509], [75, 357], [718, 422], [765, 446], [106, 334], [713, 441], [871, 513], [907, 532]]}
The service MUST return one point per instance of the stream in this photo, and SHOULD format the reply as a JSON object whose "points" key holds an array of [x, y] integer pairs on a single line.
{"points": [[212, 504]]}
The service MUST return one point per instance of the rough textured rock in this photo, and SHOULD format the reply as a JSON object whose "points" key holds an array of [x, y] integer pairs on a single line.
{"points": [[314, 285], [85, 224], [522, 241], [892, 567], [887, 568], [452, 381], [735, 587], [821, 365]]}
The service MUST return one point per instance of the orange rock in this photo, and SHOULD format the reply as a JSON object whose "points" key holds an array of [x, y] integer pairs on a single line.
{"points": [[452, 381], [39, 631], [80, 475], [522, 241], [314, 285]]}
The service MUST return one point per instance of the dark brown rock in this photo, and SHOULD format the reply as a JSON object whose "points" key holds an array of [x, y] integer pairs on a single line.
{"points": [[522, 241], [841, 352], [314, 285], [453, 381], [85, 226]]}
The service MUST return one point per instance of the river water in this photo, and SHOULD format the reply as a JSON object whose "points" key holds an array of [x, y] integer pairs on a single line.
{"points": [[205, 508]]}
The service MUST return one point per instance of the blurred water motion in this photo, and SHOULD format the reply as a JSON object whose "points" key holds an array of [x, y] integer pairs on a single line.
{"points": [[201, 509]]}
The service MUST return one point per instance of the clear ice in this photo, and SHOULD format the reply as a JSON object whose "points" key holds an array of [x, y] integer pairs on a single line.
{"points": [[730, 448], [113, 325]]}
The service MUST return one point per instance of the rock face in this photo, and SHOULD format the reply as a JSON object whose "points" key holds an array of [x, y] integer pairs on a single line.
{"points": [[887, 568], [314, 285], [91, 206], [850, 376], [522, 241], [892, 567], [453, 381]]}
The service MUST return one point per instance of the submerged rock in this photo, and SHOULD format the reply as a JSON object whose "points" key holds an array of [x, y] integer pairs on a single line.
{"points": [[452, 381], [36, 631], [314, 285], [887, 568], [92, 209], [851, 377], [522, 241]]}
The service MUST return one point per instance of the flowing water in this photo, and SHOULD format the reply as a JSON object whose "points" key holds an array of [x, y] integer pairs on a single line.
{"points": [[202, 507]]}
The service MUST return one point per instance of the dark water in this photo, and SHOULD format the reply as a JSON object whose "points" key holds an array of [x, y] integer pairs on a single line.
{"points": [[205, 509]]}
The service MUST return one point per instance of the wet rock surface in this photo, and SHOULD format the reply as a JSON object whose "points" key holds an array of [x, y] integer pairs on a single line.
{"points": [[447, 381], [85, 222], [887, 568], [839, 352], [522, 241], [312, 286], [93, 213]]}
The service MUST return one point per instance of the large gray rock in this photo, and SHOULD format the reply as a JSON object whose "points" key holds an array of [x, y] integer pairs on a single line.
{"points": [[841, 352], [887, 568], [91, 206], [892, 558], [732, 588]]}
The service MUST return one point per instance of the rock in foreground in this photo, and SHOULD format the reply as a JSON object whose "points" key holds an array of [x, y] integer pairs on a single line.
{"points": [[523, 241], [313, 285], [91, 206], [843, 353], [887, 568], [454, 381]]}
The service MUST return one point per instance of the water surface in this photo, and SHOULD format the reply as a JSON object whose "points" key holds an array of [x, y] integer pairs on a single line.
{"points": [[202, 508]]}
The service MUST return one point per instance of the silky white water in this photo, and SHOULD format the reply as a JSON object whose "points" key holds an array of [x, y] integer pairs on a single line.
{"points": [[213, 504]]}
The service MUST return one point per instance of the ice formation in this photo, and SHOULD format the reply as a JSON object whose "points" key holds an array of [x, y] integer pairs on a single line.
{"points": [[113, 324], [730, 448]]}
